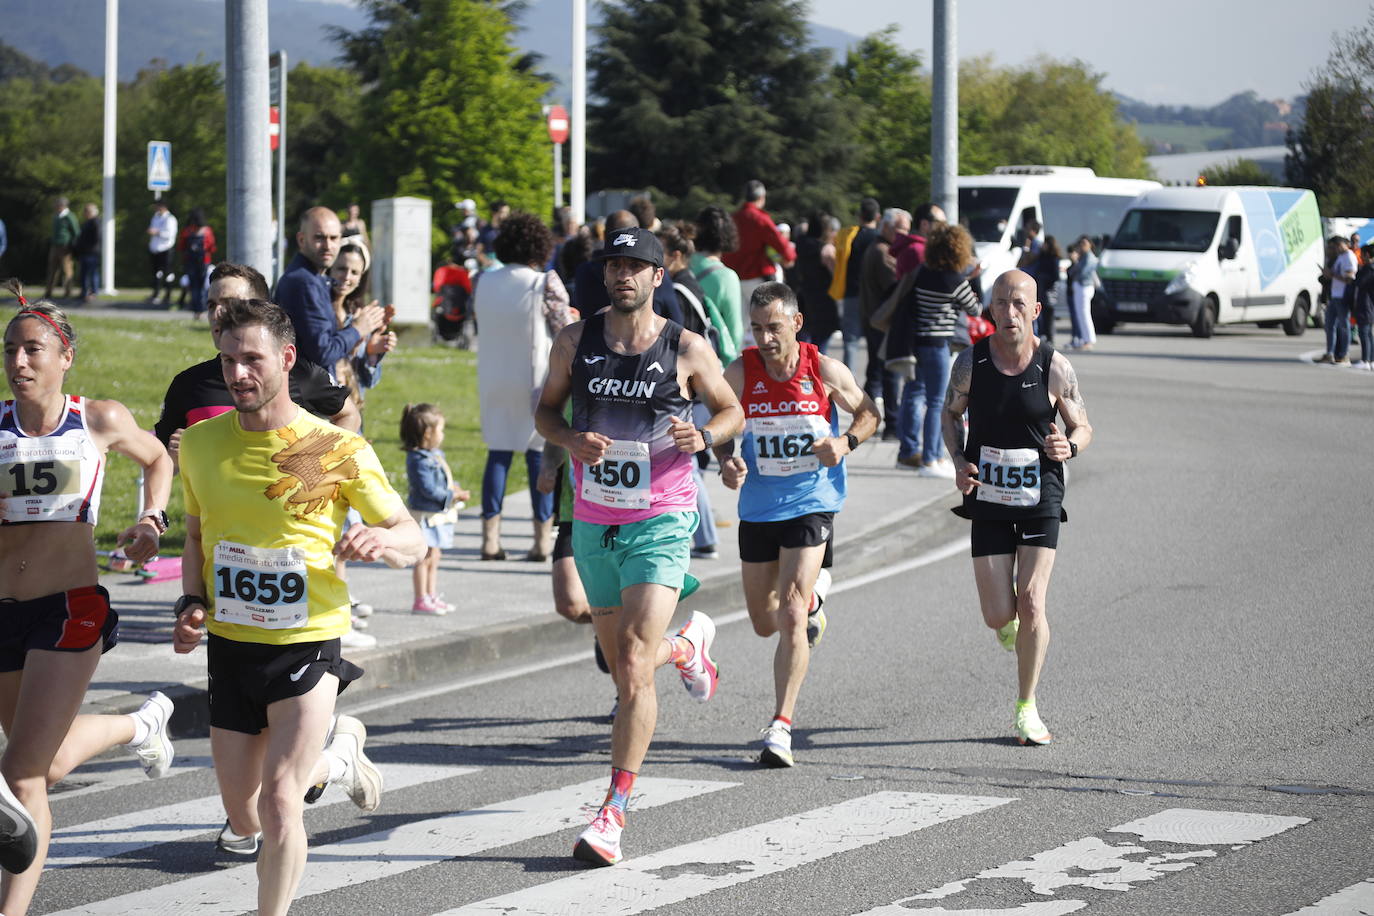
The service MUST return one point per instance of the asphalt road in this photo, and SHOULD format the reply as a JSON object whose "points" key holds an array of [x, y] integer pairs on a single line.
{"points": [[1209, 687]]}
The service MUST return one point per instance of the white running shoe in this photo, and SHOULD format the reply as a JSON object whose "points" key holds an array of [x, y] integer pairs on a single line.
{"points": [[816, 621], [599, 844], [18, 833], [155, 752], [777, 747], [941, 469], [358, 609], [229, 841], [700, 674], [361, 780], [355, 640]]}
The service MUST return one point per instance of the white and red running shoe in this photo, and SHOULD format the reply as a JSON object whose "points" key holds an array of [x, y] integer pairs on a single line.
{"points": [[599, 844], [699, 675]]}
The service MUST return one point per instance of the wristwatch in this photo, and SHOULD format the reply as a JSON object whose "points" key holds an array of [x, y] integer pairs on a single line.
{"points": [[1073, 449], [706, 437], [185, 601], [853, 441], [159, 517]]}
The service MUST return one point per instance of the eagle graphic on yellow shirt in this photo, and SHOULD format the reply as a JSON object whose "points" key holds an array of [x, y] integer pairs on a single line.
{"points": [[313, 465]]}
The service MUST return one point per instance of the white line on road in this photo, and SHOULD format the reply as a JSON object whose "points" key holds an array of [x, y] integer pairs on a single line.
{"points": [[1355, 900], [1110, 866], [506, 674], [79, 844], [690, 871], [397, 850]]}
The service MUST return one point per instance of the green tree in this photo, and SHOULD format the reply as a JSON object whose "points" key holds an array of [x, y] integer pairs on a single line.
{"points": [[324, 123], [451, 109], [889, 100], [1237, 171], [1046, 113], [1332, 151], [696, 97]]}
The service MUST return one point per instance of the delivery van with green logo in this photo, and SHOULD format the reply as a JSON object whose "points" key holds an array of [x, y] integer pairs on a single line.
{"points": [[1208, 256]]}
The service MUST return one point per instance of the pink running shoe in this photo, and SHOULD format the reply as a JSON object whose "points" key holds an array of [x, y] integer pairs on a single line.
{"points": [[699, 675], [438, 601], [599, 844], [424, 605]]}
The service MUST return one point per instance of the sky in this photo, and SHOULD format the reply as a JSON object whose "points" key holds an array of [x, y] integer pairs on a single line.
{"points": [[1184, 52]]}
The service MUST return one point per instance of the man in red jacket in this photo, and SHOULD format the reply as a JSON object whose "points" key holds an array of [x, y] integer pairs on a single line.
{"points": [[757, 234]]}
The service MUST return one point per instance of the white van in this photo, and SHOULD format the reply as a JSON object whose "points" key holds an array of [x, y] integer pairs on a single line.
{"points": [[1209, 256], [1067, 202]]}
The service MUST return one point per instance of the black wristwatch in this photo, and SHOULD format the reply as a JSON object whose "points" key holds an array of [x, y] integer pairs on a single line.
{"points": [[1073, 449], [706, 437], [853, 441], [185, 601]]}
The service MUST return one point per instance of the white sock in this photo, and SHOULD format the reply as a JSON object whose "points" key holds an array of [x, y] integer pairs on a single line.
{"points": [[338, 767], [141, 730]]}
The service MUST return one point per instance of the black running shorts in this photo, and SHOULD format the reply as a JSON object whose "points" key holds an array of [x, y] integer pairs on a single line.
{"points": [[247, 677], [562, 544], [70, 621], [992, 537], [760, 542]]}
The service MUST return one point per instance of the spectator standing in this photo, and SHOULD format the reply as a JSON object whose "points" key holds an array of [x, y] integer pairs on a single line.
{"points": [[519, 307], [715, 237], [64, 233], [918, 343], [816, 263], [433, 500], [1045, 269], [87, 250], [1337, 320], [850, 246], [355, 227], [910, 250], [162, 242], [486, 235], [589, 283], [757, 234], [362, 367], [305, 293], [878, 276], [1363, 307], [1082, 288], [197, 254]]}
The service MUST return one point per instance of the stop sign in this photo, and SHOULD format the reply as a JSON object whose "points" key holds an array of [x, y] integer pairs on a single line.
{"points": [[558, 124]]}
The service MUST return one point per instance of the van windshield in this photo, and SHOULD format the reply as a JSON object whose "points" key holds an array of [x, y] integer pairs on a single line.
{"points": [[986, 211], [1167, 230], [1070, 214]]}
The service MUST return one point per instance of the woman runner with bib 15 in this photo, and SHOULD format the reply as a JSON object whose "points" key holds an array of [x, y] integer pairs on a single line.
{"points": [[55, 620]]}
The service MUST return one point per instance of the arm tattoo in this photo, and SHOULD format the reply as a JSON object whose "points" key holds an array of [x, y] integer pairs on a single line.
{"points": [[960, 375]]}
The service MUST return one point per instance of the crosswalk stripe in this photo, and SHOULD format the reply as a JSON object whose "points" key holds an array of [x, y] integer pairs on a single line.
{"points": [[640, 884], [397, 850], [1355, 900], [120, 774], [1091, 862], [79, 844]]}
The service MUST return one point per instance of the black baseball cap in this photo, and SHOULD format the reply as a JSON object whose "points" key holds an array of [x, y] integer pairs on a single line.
{"points": [[640, 244]]}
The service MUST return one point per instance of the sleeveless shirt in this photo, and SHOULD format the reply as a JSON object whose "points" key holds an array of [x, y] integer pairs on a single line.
{"points": [[783, 420], [1009, 417], [54, 477], [630, 399]]}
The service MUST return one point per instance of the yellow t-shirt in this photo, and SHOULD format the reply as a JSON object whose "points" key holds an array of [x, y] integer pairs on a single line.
{"points": [[271, 508]]}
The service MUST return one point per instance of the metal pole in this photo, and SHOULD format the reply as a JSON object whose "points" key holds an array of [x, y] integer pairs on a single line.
{"points": [[107, 225], [280, 240], [578, 161], [944, 113], [249, 176], [557, 175]]}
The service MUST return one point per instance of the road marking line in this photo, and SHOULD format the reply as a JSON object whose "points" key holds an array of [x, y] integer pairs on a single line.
{"points": [[1350, 901], [397, 850], [402, 699], [113, 773], [79, 844], [1109, 866], [686, 872]]}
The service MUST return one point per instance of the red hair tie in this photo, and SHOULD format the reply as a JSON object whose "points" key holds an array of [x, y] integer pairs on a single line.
{"points": [[60, 336]]}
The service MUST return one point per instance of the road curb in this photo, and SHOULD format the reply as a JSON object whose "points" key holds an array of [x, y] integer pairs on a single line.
{"points": [[888, 542]]}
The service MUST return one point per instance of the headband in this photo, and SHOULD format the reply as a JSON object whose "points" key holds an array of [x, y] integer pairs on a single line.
{"points": [[63, 337]]}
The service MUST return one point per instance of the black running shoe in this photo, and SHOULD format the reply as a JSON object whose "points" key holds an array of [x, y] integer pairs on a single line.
{"points": [[600, 656], [18, 833]]}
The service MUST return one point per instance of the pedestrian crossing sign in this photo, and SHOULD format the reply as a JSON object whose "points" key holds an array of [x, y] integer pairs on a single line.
{"points": [[159, 165]]}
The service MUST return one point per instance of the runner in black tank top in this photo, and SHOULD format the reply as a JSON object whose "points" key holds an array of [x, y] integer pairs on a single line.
{"points": [[1016, 389]]}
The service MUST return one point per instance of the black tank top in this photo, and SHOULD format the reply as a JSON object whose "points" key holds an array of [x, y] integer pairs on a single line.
{"points": [[1009, 417]]}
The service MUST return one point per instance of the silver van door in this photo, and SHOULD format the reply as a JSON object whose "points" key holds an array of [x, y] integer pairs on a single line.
{"points": [[1237, 279]]}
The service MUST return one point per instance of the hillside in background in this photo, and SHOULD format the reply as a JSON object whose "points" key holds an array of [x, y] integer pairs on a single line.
{"points": [[1243, 120]]}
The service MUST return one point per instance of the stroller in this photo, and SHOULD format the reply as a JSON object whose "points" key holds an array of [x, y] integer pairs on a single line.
{"points": [[450, 313]]}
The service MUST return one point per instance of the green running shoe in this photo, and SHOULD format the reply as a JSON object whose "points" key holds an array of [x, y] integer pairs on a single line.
{"points": [[1006, 634], [1029, 728]]}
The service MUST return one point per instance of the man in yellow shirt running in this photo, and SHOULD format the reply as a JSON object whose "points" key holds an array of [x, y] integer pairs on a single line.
{"points": [[267, 489]]}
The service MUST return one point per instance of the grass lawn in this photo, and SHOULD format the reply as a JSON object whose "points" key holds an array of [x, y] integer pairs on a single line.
{"points": [[132, 360], [1185, 138]]}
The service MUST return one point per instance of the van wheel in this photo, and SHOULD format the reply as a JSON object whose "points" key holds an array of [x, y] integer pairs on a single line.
{"points": [[1102, 324], [1206, 318], [1297, 322]]}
